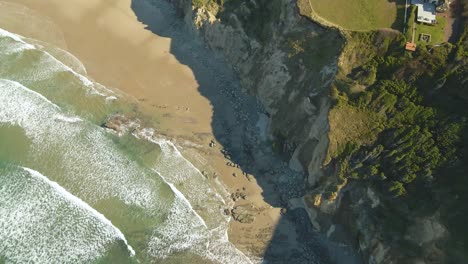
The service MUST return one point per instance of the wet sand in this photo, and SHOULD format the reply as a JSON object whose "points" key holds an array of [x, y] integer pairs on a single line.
{"points": [[120, 53]]}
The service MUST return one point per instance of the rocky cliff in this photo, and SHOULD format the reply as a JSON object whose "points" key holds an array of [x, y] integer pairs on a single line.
{"points": [[283, 59], [293, 65], [288, 63]]}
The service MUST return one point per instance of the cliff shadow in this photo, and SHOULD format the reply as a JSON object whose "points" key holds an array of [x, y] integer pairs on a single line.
{"points": [[401, 10], [235, 124]]}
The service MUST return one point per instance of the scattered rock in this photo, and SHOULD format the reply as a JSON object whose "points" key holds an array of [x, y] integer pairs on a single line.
{"points": [[249, 178], [234, 174], [283, 211], [121, 124], [244, 213], [238, 195]]}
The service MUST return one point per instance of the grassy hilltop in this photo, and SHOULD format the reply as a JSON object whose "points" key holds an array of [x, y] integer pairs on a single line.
{"points": [[357, 15]]}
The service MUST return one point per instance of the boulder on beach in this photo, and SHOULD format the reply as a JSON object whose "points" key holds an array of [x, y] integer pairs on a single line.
{"points": [[244, 213], [120, 123]]}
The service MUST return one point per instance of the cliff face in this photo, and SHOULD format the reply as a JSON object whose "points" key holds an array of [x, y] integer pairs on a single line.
{"points": [[288, 63], [284, 60], [292, 65]]}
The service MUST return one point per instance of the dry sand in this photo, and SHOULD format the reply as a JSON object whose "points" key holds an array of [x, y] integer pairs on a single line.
{"points": [[120, 53]]}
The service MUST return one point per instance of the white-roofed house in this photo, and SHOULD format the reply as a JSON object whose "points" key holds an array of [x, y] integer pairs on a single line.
{"points": [[426, 11]]}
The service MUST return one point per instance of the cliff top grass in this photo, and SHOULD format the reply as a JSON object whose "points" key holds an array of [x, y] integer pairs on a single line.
{"points": [[356, 15], [435, 31]]}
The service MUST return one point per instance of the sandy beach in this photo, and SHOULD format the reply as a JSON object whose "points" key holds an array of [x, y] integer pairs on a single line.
{"points": [[120, 52]]}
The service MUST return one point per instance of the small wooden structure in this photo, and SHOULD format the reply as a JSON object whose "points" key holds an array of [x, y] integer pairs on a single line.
{"points": [[411, 46]]}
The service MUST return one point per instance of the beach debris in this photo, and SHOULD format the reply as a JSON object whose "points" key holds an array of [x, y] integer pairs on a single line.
{"points": [[231, 164], [226, 154], [248, 176], [212, 143], [283, 211], [244, 213], [120, 124], [235, 196]]}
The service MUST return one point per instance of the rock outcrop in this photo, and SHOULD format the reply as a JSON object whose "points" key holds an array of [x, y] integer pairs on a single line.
{"points": [[289, 63], [292, 90], [244, 213], [121, 124]]}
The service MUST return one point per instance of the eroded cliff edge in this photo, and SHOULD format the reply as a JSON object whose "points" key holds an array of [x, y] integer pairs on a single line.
{"points": [[298, 70], [283, 59]]}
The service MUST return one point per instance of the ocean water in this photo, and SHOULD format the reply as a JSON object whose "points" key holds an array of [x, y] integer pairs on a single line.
{"points": [[72, 191]]}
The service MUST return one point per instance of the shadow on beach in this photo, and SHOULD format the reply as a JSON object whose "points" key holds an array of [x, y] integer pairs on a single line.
{"points": [[235, 125]]}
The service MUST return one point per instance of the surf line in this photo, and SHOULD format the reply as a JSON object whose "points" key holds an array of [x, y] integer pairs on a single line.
{"points": [[27, 90], [80, 203], [87, 82], [180, 195]]}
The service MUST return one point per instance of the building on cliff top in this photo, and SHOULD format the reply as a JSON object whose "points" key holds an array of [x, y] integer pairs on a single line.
{"points": [[426, 11]]}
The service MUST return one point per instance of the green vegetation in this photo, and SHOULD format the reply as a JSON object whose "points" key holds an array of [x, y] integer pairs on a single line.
{"points": [[312, 49], [356, 15], [436, 31], [401, 127], [207, 3], [410, 22], [399, 122], [351, 126]]}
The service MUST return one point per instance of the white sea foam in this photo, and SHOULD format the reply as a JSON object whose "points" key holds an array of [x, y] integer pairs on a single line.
{"points": [[111, 98], [78, 202], [20, 86], [212, 243], [97, 169], [181, 196], [4, 33], [42, 223], [57, 65], [68, 119]]}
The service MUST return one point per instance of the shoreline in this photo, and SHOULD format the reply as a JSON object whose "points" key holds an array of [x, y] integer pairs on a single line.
{"points": [[146, 52], [112, 54]]}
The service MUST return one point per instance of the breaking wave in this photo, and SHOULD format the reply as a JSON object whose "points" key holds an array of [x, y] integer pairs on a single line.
{"points": [[43, 223], [91, 177]]}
